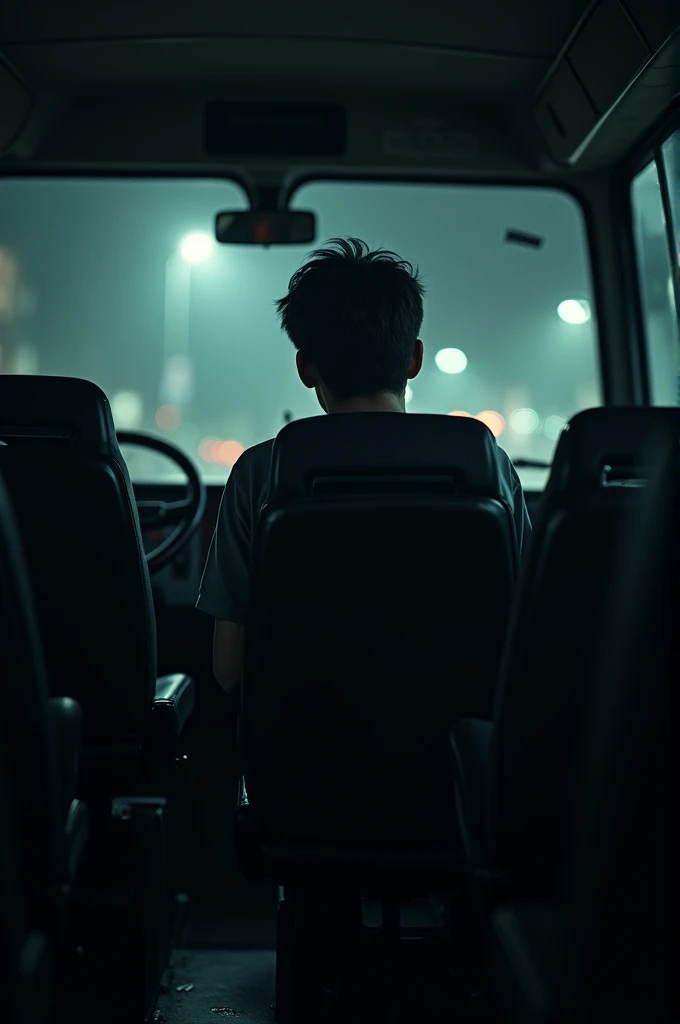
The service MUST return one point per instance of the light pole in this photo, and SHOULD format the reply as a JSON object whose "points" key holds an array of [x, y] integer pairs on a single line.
{"points": [[176, 369]]}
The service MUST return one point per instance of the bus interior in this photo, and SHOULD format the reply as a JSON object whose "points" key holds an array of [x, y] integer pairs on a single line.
{"points": [[449, 798]]}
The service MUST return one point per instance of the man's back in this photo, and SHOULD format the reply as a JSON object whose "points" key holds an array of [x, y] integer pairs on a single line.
{"points": [[354, 317], [224, 586]]}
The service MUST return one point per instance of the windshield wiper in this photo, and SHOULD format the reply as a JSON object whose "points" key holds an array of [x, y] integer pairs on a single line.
{"points": [[531, 464]]}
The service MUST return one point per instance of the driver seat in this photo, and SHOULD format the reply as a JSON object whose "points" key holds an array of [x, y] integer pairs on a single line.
{"points": [[78, 521]]}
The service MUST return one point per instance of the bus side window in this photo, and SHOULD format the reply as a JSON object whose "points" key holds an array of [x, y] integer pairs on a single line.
{"points": [[659, 274]]}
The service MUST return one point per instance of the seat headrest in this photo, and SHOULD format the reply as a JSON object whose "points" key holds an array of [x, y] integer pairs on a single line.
{"points": [[609, 445], [400, 445], [57, 409]]}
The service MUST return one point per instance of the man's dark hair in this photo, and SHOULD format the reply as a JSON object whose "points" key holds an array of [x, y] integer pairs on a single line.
{"points": [[356, 315]]}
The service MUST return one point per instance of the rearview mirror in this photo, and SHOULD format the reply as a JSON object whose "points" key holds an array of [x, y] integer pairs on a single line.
{"points": [[265, 227]]}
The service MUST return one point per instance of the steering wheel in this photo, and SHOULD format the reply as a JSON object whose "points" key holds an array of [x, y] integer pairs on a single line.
{"points": [[184, 515]]}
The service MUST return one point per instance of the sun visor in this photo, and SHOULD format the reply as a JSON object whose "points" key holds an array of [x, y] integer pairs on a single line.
{"points": [[15, 105]]}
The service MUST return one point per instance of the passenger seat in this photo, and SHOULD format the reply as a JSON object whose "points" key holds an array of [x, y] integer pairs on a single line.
{"points": [[513, 776], [77, 515], [601, 948], [382, 575], [45, 827]]}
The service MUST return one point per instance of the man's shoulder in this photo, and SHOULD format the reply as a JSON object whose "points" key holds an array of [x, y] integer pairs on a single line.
{"points": [[509, 478], [252, 468], [504, 461], [257, 455]]}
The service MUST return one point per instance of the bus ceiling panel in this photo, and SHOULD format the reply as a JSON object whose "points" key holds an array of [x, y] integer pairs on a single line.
{"points": [[16, 101], [655, 21], [166, 135], [521, 27], [264, 68], [607, 88]]}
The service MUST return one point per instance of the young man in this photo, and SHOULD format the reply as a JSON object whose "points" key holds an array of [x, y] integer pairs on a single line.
{"points": [[354, 317]]}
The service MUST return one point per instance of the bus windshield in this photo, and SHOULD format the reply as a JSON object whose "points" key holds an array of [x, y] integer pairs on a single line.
{"points": [[120, 281]]}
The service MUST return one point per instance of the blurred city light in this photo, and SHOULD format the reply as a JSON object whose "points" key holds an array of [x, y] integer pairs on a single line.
{"points": [[525, 421], [127, 410], [226, 453], [229, 452], [168, 417], [197, 247], [493, 420], [574, 311], [553, 426], [451, 360], [205, 448]]}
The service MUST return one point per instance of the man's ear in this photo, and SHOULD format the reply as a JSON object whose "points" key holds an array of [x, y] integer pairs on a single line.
{"points": [[306, 371], [416, 361]]}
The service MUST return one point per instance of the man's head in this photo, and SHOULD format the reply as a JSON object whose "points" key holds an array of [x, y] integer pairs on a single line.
{"points": [[354, 317]]}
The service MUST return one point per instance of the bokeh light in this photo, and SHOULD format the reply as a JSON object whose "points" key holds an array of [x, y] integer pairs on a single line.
{"points": [[197, 247], [574, 311], [553, 426], [460, 412], [229, 452], [525, 421], [168, 417], [127, 410], [493, 420], [205, 448], [226, 453], [451, 360]]}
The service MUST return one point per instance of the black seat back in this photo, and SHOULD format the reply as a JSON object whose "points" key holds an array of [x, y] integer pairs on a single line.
{"points": [[78, 521], [26, 978], [578, 544], [26, 749], [622, 853], [381, 580]]}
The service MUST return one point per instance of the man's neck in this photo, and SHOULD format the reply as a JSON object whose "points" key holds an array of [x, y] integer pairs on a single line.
{"points": [[385, 401]]}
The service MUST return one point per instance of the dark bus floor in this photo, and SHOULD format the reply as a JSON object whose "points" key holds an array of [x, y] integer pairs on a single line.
{"points": [[226, 949], [224, 969]]}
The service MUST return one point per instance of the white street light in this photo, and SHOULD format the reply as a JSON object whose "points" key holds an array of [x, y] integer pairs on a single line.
{"points": [[574, 311], [451, 360], [176, 384], [197, 247]]}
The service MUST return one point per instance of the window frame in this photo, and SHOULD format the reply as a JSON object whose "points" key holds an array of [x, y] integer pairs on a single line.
{"points": [[666, 202], [648, 151]]}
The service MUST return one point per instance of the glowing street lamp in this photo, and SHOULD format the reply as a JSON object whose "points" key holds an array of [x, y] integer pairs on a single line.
{"points": [[451, 360], [574, 311], [197, 247], [194, 248]]}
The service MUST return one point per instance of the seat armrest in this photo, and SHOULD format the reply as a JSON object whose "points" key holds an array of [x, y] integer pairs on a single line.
{"points": [[65, 725], [248, 838], [471, 750], [242, 800], [525, 958], [173, 703], [76, 833], [175, 699]]}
